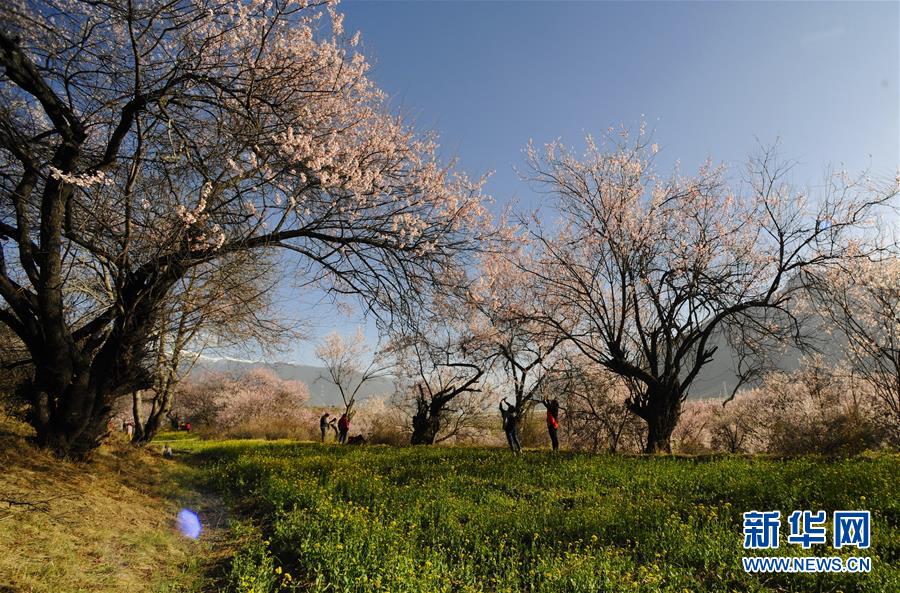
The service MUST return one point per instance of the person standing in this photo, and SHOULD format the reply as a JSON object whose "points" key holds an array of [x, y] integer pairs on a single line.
{"points": [[343, 427], [323, 424], [552, 406]]}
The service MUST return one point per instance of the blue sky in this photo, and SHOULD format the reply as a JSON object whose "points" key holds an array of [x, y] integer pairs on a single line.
{"points": [[712, 79]]}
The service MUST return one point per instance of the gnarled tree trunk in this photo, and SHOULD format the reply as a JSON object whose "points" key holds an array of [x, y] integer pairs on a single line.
{"points": [[425, 428], [660, 409], [75, 387], [72, 425], [426, 422]]}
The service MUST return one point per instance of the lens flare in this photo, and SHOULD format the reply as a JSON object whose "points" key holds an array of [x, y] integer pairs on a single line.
{"points": [[189, 523]]}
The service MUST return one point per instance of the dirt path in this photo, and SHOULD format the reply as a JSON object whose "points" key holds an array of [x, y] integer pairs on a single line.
{"points": [[215, 544]]}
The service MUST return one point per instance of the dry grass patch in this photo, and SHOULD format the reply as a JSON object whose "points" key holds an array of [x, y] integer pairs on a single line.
{"points": [[107, 525]]}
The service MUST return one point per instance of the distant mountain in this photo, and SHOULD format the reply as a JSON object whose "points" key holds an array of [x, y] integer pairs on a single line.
{"points": [[716, 379], [322, 391]]}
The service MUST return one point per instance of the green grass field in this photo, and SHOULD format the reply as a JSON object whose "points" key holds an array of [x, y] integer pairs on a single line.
{"points": [[328, 518]]}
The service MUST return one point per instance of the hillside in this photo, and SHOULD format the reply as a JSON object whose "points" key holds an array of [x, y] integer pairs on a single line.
{"points": [[101, 527], [716, 379]]}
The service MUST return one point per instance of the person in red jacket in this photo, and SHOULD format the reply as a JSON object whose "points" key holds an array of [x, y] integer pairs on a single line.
{"points": [[552, 406], [343, 427]]}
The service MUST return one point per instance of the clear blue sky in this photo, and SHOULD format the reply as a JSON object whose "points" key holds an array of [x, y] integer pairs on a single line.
{"points": [[709, 77]]}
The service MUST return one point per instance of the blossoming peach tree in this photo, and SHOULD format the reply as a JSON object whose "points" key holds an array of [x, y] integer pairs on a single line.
{"points": [[522, 352], [862, 302], [651, 270], [146, 138], [438, 367]]}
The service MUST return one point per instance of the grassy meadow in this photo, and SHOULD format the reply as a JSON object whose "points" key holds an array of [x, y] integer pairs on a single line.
{"points": [[327, 518]]}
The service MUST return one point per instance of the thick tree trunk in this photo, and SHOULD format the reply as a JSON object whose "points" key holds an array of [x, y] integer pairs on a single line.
{"points": [[74, 391], [426, 426], [659, 435], [426, 422], [661, 414], [72, 426]]}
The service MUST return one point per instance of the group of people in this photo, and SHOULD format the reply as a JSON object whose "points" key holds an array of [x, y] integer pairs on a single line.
{"points": [[511, 415], [177, 424], [340, 426]]}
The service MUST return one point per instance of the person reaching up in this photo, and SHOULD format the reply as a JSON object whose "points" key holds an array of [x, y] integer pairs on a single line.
{"points": [[552, 406], [510, 417]]}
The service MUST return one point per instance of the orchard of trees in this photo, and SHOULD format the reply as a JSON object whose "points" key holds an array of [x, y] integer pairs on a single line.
{"points": [[166, 164]]}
